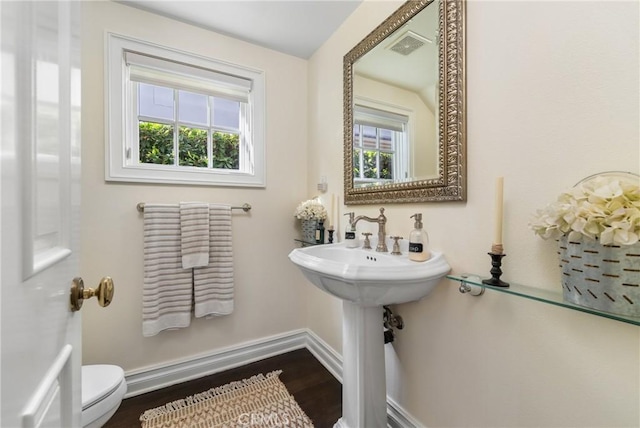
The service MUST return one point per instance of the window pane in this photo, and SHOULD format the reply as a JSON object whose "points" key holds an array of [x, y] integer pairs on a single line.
{"points": [[386, 139], [386, 166], [192, 108], [156, 143], [225, 150], [155, 101], [356, 163], [226, 113], [369, 137], [192, 147], [370, 164]]}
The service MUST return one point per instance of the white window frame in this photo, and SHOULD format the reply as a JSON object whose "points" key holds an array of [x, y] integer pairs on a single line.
{"points": [[252, 171], [382, 113]]}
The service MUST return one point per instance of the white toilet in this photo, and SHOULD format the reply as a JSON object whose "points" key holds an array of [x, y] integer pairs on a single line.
{"points": [[103, 387]]}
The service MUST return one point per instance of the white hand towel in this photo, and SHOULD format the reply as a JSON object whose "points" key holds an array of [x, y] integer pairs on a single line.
{"points": [[194, 229], [213, 284], [167, 292]]}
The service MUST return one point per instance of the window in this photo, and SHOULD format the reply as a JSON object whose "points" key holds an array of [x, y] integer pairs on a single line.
{"points": [[180, 118], [379, 146]]}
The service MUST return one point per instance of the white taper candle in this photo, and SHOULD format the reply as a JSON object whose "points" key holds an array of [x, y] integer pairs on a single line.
{"points": [[497, 238], [331, 213]]}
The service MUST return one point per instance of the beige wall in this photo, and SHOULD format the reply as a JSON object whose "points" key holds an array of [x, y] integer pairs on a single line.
{"points": [[269, 293], [552, 97]]}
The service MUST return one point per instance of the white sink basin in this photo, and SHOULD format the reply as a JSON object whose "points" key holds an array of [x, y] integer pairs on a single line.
{"points": [[365, 280], [367, 277]]}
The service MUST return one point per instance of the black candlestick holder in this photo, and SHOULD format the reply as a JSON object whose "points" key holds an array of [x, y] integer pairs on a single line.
{"points": [[330, 235], [496, 262]]}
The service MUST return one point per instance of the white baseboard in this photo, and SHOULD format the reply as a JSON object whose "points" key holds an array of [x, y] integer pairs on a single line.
{"points": [[398, 417], [153, 378], [157, 377], [328, 357]]}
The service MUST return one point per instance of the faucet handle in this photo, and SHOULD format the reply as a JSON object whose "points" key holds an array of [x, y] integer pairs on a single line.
{"points": [[396, 246], [367, 243]]}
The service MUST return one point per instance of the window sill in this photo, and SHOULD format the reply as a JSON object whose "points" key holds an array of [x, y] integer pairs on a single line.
{"points": [[196, 177]]}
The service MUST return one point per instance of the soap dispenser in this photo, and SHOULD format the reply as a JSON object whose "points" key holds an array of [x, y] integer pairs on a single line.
{"points": [[350, 235], [418, 241]]}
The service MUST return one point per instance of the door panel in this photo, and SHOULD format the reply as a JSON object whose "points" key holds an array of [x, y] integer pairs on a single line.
{"points": [[40, 163], [51, 404]]}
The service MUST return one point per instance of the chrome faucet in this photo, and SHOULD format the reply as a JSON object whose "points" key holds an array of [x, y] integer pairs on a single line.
{"points": [[382, 234]]}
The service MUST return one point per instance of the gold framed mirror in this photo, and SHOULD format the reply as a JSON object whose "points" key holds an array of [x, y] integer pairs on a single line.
{"points": [[404, 122]]}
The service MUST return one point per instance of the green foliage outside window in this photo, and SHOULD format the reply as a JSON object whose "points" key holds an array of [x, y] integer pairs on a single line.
{"points": [[226, 150], [386, 166], [369, 164], [156, 146], [192, 147], [156, 143]]}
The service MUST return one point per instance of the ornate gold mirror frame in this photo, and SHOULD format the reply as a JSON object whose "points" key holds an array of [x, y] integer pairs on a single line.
{"points": [[450, 184]]}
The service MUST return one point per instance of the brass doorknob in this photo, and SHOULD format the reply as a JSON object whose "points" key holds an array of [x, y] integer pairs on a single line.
{"points": [[104, 293]]}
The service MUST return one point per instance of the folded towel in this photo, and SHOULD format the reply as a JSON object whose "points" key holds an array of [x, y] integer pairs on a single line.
{"points": [[213, 284], [194, 229], [167, 292]]}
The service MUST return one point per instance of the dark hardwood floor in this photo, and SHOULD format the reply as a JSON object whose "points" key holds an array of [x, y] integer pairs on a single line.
{"points": [[315, 389]]}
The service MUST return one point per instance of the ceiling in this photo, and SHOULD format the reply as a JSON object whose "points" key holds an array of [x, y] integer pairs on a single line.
{"points": [[416, 72], [294, 27]]}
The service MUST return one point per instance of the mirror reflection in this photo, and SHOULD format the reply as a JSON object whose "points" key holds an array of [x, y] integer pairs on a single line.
{"points": [[404, 107], [395, 105]]}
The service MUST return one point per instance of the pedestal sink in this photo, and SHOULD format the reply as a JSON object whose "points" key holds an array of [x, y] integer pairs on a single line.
{"points": [[366, 280]]}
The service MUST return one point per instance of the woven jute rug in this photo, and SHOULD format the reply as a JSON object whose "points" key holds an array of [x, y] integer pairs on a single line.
{"points": [[257, 402]]}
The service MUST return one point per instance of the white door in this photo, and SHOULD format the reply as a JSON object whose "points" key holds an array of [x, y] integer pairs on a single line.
{"points": [[40, 166]]}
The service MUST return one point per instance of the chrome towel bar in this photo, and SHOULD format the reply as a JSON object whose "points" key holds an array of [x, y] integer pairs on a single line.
{"points": [[245, 207]]}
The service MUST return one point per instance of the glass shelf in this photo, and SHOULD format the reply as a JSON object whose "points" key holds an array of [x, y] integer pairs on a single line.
{"points": [[304, 243], [545, 296]]}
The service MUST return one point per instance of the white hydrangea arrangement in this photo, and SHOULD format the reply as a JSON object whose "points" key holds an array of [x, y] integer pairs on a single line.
{"points": [[311, 210], [605, 208]]}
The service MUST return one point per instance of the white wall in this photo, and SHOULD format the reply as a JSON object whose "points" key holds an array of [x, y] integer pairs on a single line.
{"points": [[552, 97], [269, 293]]}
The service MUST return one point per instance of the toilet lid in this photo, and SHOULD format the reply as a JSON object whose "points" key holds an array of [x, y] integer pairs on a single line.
{"points": [[98, 381]]}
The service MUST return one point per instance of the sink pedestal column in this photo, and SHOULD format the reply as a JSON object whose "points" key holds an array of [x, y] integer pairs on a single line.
{"points": [[364, 388]]}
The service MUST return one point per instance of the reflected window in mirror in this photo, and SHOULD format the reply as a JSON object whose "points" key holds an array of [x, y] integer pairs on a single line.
{"points": [[380, 141]]}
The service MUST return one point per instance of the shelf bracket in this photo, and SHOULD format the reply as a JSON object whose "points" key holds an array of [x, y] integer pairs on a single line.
{"points": [[469, 287]]}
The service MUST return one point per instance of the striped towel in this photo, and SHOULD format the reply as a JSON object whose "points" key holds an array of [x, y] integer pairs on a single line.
{"points": [[194, 228], [167, 292], [213, 284]]}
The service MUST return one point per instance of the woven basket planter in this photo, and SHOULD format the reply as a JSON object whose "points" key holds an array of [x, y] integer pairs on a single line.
{"points": [[602, 277]]}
